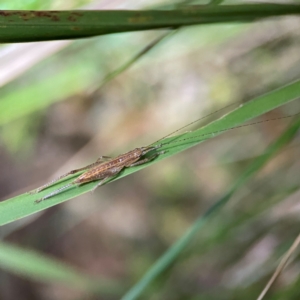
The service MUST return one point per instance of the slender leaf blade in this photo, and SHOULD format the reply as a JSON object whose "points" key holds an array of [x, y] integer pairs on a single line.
{"points": [[24, 205], [173, 252], [33, 265], [26, 26]]}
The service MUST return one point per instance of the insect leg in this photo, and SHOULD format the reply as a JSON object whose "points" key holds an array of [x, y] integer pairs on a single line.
{"points": [[109, 174], [58, 191], [99, 184], [98, 161], [147, 159], [103, 158]]}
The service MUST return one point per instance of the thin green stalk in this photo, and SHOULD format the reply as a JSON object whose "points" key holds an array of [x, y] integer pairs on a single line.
{"points": [[28, 26], [36, 266], [24, 205], [173, 252], [129, 63]]}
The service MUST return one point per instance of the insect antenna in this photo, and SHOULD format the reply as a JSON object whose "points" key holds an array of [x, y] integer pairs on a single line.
{"points": [[210, 114], [227, 129]]}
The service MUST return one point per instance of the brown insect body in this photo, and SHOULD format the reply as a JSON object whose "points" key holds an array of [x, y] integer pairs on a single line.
{"points": [[113, 166], [106, 167], [103, 170]]}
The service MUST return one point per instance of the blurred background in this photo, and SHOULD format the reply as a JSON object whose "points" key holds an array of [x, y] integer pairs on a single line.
{"points": [[60, 116]]}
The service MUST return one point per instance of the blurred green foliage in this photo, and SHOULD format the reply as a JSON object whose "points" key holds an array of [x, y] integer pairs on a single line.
{"points": [[59, 108], [40, 4]]}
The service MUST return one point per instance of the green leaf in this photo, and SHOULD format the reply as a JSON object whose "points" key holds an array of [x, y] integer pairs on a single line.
{"points": [[25, 26], [43, 93], [24, 205], [44, 269], [173, 252], [72, 81]]}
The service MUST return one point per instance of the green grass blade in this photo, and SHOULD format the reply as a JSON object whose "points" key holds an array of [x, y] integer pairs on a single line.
{"points": [[25, 26], [44, 92], [164, 262], [69, 82], [35, 266], [131, 61], [24, 205]]}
